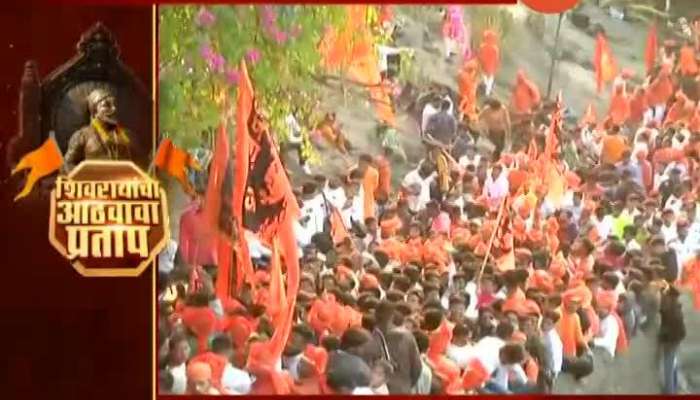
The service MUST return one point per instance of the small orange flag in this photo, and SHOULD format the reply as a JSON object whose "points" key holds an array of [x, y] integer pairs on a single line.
{"points": [[277, 302], [339, 231], [589, 117], [604, 62], [41, 162], [175, 161], [651, 49]]}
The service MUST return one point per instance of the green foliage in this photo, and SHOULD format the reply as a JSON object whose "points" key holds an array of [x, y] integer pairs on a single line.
{"points": [[190, 89]]}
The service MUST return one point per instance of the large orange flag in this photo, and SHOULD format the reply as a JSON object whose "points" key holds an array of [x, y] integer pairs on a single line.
{"points": [[175, 161], [277, 301], [651, 49], [41, 162], [264, 203], [603, 62]]}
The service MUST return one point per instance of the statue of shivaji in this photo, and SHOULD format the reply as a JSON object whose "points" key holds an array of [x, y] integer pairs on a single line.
{"points": [[103, 138]]}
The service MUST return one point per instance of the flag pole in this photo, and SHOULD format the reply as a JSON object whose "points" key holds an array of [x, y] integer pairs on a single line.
{"points": [[554, 56], [499, 218]]}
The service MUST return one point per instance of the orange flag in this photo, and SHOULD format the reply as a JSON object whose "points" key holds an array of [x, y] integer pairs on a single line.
{"points": [[244, 106], [589, 117], [41, 162], [277, 301], [604, 62], [339, 231], [651, 48], [175, 161]]}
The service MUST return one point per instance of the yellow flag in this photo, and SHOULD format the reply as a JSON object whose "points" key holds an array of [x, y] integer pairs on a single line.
{"points": [[41, 162]]}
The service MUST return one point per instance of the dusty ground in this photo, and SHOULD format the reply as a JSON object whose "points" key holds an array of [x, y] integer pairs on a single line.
{"points": [[634, 373]]}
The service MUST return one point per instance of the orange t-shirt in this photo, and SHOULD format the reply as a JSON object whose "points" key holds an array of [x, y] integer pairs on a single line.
{"points": [[490, 58], [620, 109], [687, 62], [369, 185], [384, 179], [569, 329]]}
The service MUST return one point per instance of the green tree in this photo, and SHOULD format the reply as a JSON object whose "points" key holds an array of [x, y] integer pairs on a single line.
{"points": [[201, 49]]}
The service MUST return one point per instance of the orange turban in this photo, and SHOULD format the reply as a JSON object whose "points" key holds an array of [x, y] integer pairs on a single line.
{"points": [[202, 322], [318, 357], [198, 371], [390, 226], [542, 280], [369, 281], [607, 300]]}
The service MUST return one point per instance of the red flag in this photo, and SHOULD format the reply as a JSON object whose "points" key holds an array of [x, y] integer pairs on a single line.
{"points": [[651, 49], [603, 62]]}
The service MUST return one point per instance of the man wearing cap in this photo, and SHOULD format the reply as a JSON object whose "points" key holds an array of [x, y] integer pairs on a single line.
{"points": [[103, 138]]}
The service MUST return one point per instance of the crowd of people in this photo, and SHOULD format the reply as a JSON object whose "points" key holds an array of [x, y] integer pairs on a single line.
{"points": [[481, 271]]}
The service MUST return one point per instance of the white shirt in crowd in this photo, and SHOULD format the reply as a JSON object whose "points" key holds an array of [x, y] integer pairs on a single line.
{"points": [[384, 52], [355, 211], [179, 374], [669, 233], [314, 208], [336, 197], [235, 381], [461, 355], [607, 335], [603, 226], [429, 111], [417, 202], [506, 373], [555, 349], [166, 258], [488, 351], [293, 129], [256, 248]]}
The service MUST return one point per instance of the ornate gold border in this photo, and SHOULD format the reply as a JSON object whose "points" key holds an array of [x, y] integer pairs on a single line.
{"points": [[111, 272]]}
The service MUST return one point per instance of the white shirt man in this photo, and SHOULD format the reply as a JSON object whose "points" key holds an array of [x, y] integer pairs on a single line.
{"points": [[384, 53], [293, 129], [179, 374], [461, 355], [504, 374], [555, 350], [354, 209], [235, 381], [166, 258], [603, 226], [314, 209], [607, 335], [335, 197], [429, 110], [488, 351], [419, 199]]}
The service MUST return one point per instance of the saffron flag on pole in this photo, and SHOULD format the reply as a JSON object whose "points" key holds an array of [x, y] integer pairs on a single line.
{"points": [[603, 62], [41, 162], [651, 48], [174, 161], [264, 203]]}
